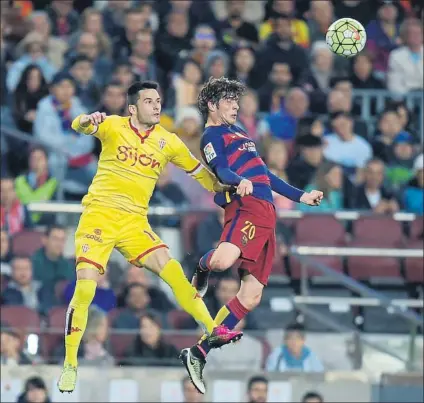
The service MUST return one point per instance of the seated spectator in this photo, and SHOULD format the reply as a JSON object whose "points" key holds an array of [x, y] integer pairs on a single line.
{"points": [[186, 87], [22, 289], [372, 194], [235, 28], [319, 17], [318, 79], [236, 359], [257, 389], [312, 397], [217, 64], [56, 47], [123, 74], [190, 393], [11, 348], [86, 88], [310, 125], [408, 123], [35, 391], [5, 254], [303, 167], [299, 27], [149, 347], [329, 179], [167, 193], [405, 72], [137, 302], [49, 264], [280, 78], [276, 159], [344, 85], [189, 126], [104, 298], [243, 63], [113, 99], [283, 124], [344, 147], [208, 232], [413, 193], [30, 90], [53, 126], [294, 355], [63, 17], [383, 37], [35, 54], [15, 216], [247, 114], [37, 185]]}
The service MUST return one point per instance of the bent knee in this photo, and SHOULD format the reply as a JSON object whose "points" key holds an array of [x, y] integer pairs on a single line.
{"points": [[221, 263], [87, 272]]}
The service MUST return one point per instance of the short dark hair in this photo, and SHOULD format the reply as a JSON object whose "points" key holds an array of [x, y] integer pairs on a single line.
{"points": [[52, 227], [215, 90], [80, 58], [295, 327], [256, 379], [312, 395], [133, 92]]}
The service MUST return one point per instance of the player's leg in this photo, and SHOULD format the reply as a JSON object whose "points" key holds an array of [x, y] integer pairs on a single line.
{"points": [[93, 248]]}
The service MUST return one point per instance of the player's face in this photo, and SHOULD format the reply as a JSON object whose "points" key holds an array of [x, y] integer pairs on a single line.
{"points": [[148, 107], [227, 110]]}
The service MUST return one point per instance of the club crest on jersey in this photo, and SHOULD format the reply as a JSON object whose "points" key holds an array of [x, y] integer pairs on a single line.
{"points": [[162, 144], [210, 152]]}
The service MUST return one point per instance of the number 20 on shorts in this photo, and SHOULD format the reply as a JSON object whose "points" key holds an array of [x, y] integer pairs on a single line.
{"points": [[249, 230]]}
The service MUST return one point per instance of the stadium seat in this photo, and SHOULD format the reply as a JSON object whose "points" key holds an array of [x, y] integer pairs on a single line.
{"points": [[416, 229], [414, 270], [120, 343], [378, 232], [177, 318], [181, 341], [25, 243], [59, 289], [189, 224], [56, 326], [333, 262], [21, 317], [374, 269], [319, 230], [113, 314]]}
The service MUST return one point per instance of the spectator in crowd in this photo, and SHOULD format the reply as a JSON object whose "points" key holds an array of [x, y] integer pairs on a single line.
{"points": [[5, 254], [344, 85], [363, 77], [92, 22], [11, 347], [37, 185], [383, 37], [190, 393], [34, 53], [294, 355], [343, 146], [234, 28], [208, 232], [114, 16], [283, 124], [53, 125], [298, 26], [137, 302], [30, 90], [279, 79], [372, 194], [189, 126], [243, 63], [247, 114], [23, 289], [186, 87], [104, 298], [319, 18], [149, 347], [49, 264], [413, 194], [310, 125], [328, 177], [405, 72], [360, 11], [312, 397], [173, 40], [167, 193], [14, 215], [408, 123], [257, 389], [35, 391], [318, 80], [56, 47], [303, 167], [113, 99], [236, 359], [86, 87], [63, 17], [123, 74], [216, 65]]}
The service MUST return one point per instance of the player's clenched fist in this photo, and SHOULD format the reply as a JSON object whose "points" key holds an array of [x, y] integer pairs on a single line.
{"points": [[313, 198], [94, 118], [245, 188]]}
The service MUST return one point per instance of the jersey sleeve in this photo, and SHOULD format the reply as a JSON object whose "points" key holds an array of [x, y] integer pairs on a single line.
{"points": [[98, 131]]}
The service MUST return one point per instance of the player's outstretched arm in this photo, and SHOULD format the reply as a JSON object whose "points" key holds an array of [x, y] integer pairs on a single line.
{"points": [[88, 124], [281, 187]]}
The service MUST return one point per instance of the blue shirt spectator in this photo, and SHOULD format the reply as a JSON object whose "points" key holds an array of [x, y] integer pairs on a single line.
{"points": [[413, 195]]}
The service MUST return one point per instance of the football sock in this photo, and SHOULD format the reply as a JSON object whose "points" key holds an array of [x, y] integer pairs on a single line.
{"points": [[76, 318], [229, 315], [186, 295], [204, 263]]}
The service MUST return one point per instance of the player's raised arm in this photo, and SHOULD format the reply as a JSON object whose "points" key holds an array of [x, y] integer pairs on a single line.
{"points": [[91, 124]]}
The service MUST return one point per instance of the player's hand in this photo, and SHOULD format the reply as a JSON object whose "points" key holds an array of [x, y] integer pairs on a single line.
{"points": [[313, 198], [94, 118], [245, 188]]}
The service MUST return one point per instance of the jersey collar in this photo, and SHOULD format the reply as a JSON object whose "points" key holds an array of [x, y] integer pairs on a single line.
{"points": [[140, 135]]}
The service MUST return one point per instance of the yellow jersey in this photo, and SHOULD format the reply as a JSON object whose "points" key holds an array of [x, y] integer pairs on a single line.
{"points": [[131, 162]]}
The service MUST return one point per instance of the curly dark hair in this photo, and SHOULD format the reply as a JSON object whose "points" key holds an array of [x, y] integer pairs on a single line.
{"points": [[215, 90]]}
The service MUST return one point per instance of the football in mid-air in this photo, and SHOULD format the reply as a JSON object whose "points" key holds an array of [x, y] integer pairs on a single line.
{"points": [[346, 37]]}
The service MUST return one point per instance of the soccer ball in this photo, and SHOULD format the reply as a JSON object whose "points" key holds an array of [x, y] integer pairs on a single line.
{"points": [[346, 37]]}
